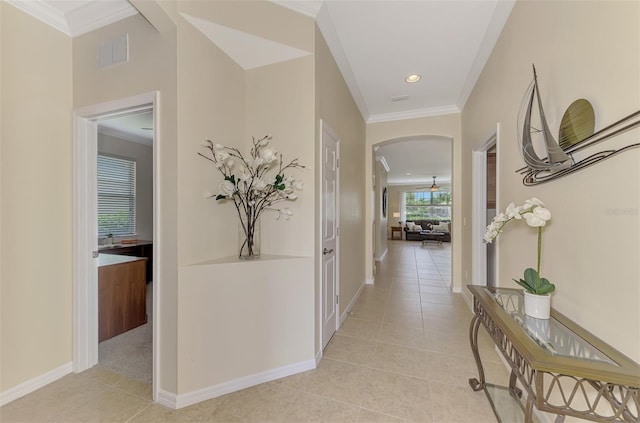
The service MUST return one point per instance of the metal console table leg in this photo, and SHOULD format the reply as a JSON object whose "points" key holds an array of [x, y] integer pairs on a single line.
{"points": [[476, 384]]}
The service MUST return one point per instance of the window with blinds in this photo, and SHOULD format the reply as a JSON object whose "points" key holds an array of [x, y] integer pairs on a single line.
{"points": [[427, 205], [116, 196]]}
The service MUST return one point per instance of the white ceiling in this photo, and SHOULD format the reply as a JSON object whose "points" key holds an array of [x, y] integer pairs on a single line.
{"points": [[376, 44], [135, 126], [414, 161]]}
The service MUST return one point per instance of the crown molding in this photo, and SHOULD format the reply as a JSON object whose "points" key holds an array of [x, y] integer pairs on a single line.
{"points": [[43, 12], [413, 114], [97, 14], [494, 29], [328, 30], [79, 21]]}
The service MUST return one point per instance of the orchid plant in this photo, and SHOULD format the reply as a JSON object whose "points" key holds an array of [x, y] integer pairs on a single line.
{"points": [[536, 216], [254, 184]]}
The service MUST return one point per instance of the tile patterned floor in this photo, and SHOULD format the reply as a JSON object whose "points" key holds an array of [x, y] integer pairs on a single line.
{"points": [[402, 355]]}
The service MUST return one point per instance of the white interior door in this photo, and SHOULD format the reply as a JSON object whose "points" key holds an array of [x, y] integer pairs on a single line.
{"points": [[330, 313]]}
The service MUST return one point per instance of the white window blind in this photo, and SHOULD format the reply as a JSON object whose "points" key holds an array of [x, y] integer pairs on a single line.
{"points": [[116, 196]]}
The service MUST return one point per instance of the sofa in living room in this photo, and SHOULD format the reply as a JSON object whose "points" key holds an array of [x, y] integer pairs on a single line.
{"points": [[412, 229]]}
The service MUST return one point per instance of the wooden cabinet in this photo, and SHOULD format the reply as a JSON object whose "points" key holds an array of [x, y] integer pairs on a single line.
{"points": [[140, 249], [122, 292]]}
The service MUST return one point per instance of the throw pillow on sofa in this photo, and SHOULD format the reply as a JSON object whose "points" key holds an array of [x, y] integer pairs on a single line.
{"points": [[442, 227]]}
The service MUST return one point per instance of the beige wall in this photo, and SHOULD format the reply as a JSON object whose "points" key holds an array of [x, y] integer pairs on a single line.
{"points": [[381, 230], [335, 106], [220, 100], [280, 102], [35, 201], [591, 247], [211, 104], [448, 126], [151, 67], [143, 156]]}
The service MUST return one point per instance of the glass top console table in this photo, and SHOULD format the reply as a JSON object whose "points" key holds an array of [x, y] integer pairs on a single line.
{"points": [[564, 369]]}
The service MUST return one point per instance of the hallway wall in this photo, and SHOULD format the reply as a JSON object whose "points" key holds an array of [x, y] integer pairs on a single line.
{"points": [[591, 245], [35, 199]]}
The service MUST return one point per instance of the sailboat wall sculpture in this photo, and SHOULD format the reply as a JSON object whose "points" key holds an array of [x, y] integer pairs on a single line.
{"points": [[559, 162], [556, 156]]}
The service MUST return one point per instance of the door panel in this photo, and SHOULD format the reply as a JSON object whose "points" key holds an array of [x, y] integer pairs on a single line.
{"points": [[330, 311]]}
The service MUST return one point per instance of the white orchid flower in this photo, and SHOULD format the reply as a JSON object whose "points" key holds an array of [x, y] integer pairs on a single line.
{"points": [[533, 220], [299, 185], [542, 213], [206, 143], [513, 212], [292, 196], [218, 146], [501, 217], [533, 202]]}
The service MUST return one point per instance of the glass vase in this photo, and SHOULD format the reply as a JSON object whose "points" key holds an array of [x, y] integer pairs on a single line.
{"points": [[248, 239]]}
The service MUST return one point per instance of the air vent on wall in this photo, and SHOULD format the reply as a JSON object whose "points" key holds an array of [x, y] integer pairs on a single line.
{"points": [[113, 51], [400, 98]]}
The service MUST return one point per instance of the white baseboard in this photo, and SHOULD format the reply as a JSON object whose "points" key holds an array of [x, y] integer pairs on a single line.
{"points": [[383, 255], [369, 281], [35, 383], [171, 400], [318, 357], [344, 314], [468, 301]]}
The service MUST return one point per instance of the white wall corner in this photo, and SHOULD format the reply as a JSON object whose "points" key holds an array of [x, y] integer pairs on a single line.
{"points": [[34, 384], [369, 281], [168, 399]]}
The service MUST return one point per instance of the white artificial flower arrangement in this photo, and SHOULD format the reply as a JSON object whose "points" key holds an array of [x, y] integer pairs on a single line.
{"points": [[536, 216], [254, 183]]}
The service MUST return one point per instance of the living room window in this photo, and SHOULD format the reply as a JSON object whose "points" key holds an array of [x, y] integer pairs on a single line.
{"points": [[116, 196], [427, 205]]}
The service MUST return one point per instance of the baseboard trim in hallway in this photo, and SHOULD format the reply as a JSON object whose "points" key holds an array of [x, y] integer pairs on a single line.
{"points": [[174, 401], [34, 384]]}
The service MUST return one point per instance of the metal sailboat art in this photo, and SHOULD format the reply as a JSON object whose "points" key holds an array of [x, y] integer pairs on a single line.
{"points": [[556, 157], [576, 134]]}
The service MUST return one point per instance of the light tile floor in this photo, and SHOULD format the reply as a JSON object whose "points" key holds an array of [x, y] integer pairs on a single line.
{"points": [[402, 355]]}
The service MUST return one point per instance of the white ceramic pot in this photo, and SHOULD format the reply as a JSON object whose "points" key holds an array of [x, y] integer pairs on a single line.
{"points": [[538, 306]]}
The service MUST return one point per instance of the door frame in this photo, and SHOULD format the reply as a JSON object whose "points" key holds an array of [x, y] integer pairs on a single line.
{"points": [[325, 127], [479, 208], [84, 226]]}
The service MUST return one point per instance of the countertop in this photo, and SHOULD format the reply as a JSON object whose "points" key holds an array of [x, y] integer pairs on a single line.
{"points": [[120, 245], [110, 259]]}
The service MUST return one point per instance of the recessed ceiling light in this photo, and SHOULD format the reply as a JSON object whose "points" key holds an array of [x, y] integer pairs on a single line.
{"points": [[408, 174], [413, 78]]}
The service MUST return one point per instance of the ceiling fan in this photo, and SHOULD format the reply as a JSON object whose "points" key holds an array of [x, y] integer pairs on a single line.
{"points": [[433, 187]]}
